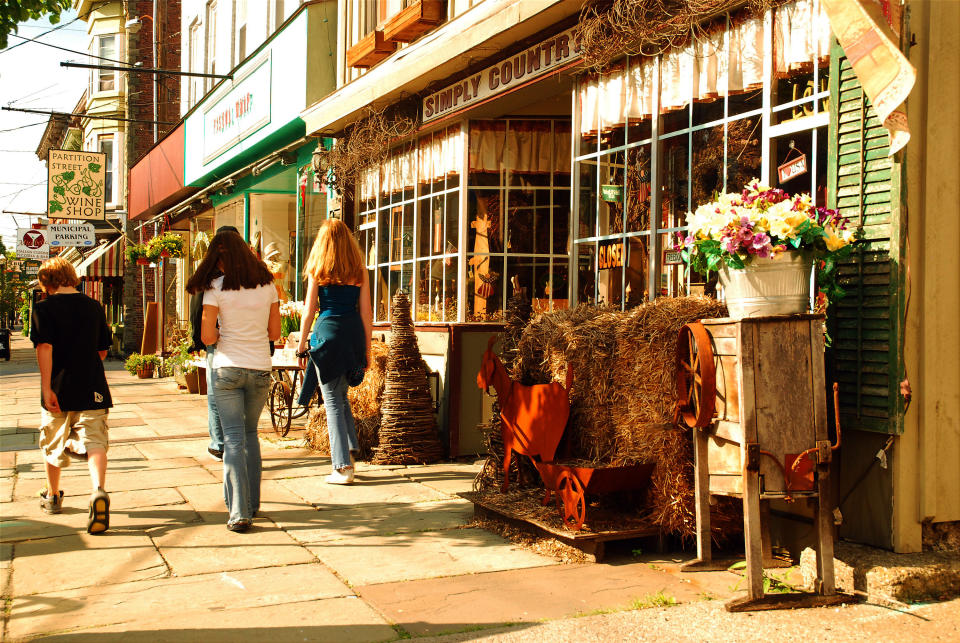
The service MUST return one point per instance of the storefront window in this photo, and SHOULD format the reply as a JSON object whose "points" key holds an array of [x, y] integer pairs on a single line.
{"points": [[518, 213], [709, 138]]}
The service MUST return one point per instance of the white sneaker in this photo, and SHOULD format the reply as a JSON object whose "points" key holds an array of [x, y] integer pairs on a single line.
{"points": [[341, 476]]}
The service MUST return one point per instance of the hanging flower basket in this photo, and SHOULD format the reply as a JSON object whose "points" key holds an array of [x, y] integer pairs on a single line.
{"points": [[137, 252], [165, 245]]}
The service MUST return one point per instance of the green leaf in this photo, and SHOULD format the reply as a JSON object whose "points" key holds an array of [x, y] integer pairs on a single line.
{"points": [[58, 189], [86, 190], [685, 254], [94, 167], [68, 176], [713, 261], [55, 206], [734, 261], [795, 242]]}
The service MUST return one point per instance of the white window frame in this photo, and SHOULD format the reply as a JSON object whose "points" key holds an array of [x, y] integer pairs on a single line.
{"points": [[210, 44], [111, 169]]}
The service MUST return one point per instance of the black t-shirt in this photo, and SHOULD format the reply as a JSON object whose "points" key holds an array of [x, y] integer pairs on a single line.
{"points": [[76, 327]]}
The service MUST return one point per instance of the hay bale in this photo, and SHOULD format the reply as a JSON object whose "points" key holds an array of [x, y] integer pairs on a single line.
{"points": [[365, 402], [622, 398]]}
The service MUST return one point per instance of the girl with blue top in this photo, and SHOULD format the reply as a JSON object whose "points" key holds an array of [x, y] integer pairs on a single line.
{"points": [[339, 346]]}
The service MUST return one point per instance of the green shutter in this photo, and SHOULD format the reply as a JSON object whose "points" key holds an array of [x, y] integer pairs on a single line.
{"points": [[864, 184]]}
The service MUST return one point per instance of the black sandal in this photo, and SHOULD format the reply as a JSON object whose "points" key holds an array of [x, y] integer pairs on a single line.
{"points": [[99, 520], [240, 526]]}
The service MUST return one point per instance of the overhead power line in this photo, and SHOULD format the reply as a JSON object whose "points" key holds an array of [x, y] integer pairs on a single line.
{"points": [[22, 126], [72, 51], [81, 115]]}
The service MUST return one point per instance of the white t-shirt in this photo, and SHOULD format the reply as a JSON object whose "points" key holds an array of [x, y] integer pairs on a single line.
{"points": [[243, 316]]}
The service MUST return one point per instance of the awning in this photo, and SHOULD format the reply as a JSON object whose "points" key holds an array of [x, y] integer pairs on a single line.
{"points": [[105, 261]]}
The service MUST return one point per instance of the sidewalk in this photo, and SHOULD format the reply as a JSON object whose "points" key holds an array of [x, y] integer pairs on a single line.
{"points": [[391, 557]]}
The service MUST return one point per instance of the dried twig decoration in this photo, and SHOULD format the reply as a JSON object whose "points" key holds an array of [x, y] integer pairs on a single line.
{"points": [[365, 145], [607, 31], [408, 429]]}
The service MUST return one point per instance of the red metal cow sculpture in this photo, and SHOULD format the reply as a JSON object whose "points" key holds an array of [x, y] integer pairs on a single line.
{"points": [[533, 418]]}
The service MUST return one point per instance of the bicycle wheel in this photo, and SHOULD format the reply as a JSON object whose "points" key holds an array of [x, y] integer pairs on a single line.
{"points": [[280, 407]]}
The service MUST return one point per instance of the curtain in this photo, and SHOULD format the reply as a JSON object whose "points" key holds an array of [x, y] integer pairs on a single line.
{"points": [[399, 173], [440, 154], [726, 59], [520, 146]]}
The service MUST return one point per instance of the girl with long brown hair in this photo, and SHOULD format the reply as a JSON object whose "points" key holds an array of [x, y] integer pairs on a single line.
{"points": [[241, 315], [339, 346]]}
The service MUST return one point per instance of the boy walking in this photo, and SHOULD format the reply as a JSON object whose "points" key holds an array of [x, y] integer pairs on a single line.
{"points": [[70, 333]]}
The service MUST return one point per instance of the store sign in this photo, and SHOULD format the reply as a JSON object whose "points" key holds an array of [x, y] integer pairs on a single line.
{"points": [[672, 258], [244, 109], [32, 244], [71, 234], [792, 168], [75, 185], [610, 255], [504, 76]]}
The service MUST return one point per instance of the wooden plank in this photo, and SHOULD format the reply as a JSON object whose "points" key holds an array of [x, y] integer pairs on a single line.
{"points": [[824, 525], [702, 495], [752, 529], [723, 457], [726, 485], [746, 382], [817, 385]]}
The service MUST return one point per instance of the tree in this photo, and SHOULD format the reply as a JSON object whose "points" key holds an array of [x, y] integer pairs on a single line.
{"points": [[10, 288], [13, 12]]}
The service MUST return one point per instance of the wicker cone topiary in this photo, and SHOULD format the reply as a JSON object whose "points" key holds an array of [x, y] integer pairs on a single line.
{"points": [[408, 429]]}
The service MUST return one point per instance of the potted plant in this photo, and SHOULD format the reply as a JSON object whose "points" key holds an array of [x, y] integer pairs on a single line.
{"points": [[137, 252], [290, 314], [141, 365], [180, 363], [763, 242], [165, 245]]}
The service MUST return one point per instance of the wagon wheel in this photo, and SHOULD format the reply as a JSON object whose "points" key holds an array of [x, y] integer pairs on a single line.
{"points": [[571, 500], [696, 376], [280, 398], [298, 410]]}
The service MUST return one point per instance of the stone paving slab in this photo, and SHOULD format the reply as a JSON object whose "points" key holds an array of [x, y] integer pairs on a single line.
{"points": [[423, 555], [371, 487], [82, 560], [128, 481], [228, 596], [354, 523], [336, 620], [172, 449], [115, 467], [207, 499], [450, 479], [207, 548], [32, 460], [433, 606], [6, 489]]}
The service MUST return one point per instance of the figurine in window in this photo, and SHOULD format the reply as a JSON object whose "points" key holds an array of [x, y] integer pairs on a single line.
{"points": [[278, 268]]}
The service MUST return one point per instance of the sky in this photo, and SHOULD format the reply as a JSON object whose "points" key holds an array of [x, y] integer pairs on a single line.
{"points": [[31, 77]]}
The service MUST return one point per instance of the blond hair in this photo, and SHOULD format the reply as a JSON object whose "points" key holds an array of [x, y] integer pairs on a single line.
{"points": [[335, 257], [55, 273]]}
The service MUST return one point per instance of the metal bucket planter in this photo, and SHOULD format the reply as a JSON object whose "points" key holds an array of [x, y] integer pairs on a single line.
{"points": [[777, 286]]}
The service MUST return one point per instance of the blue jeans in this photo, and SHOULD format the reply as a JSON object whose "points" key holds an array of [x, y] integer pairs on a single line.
{"points": [[340, 424], [240, 396], [213, 418]]}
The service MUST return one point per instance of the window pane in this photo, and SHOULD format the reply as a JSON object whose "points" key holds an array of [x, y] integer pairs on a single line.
{"points": [[610, 272], [586, 272], [451, 293], [588, 199], [638, 266], [611, 195], [485, 231], [674, 202], [485, 288], [744, 153], [638, 189], [560, 285], [561, 222]]}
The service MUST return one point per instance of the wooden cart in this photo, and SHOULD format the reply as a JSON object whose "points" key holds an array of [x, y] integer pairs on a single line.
{"points": [[753, 391]]}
